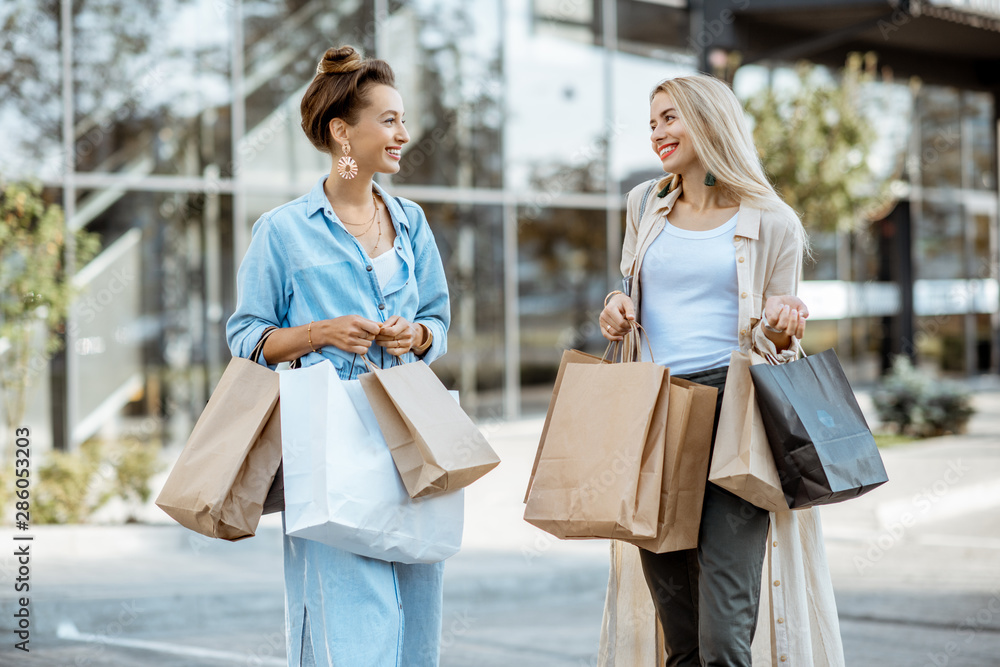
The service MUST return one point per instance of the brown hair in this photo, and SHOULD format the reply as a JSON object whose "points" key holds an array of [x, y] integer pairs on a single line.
{"points": [[338, 90]]}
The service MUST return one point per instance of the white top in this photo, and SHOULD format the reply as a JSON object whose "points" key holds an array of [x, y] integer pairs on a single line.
{"points": [[690, 300], [386, 266]]}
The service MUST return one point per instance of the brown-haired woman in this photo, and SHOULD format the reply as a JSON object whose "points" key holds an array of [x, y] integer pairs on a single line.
{"points": [[347, 270]]}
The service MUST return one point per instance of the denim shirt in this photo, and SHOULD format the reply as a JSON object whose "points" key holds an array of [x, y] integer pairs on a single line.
{"points": [[303, 266]]}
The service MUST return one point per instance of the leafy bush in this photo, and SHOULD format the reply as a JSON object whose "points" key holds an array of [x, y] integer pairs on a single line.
{"points": [[71, 486], [919, 405]]}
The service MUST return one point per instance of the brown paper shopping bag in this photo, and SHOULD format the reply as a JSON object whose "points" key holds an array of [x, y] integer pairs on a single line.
{"points": [[600, 464], [435, 445], [742, 462], [688, 447], [218, 485], [568, 357]]}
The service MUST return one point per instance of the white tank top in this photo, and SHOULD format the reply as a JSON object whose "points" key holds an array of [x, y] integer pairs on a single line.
{"points": [[386, 266], [690, 300]]}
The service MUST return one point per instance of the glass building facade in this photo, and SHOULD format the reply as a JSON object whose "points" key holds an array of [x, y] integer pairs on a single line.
{"points": [[169, 129]]}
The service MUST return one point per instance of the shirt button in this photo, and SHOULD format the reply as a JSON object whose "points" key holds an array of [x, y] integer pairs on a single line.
{"points": [[742, 259], [369, 267], [743, 332], [774, 544], [777, 583], [743, 296], [781, 620], [784, 658], [381, 306]]}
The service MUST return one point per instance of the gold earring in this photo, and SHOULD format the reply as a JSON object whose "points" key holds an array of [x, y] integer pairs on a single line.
{"points": [[346, 166]]}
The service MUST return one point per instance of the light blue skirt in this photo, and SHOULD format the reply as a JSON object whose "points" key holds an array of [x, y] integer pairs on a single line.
{"points": [[345, 610]]}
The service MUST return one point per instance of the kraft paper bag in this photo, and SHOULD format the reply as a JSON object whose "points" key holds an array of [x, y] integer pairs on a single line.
{"points": [[822, 446], [688, 449], [218, 485], [341, 484], [600, 468], [568, 357], [435, 445], [742, 462]]}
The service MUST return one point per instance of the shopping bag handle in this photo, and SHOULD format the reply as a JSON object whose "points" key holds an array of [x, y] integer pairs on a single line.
{"points": [[258, 349], [629, 349], [636, 346], [372, 367], [773, 360]]}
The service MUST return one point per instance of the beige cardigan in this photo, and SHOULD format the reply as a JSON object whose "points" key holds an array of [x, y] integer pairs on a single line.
{"points": [[797, 624]]}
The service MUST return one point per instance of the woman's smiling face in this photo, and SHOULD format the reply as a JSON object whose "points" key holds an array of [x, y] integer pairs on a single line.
{"points": [[669, 136], [378, 137]]}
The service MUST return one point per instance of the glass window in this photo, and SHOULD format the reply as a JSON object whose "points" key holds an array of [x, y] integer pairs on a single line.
{"points": [[284, 41], [470, 239], [151, 86], [31, 91], [983, 261], [651, 29], [940, 342], [562, 269], [865, 359], [446, 56], [939, 241], [556, 128], [633, 158], [982, 141], [939, 111], [820, 335], [823, 263]]}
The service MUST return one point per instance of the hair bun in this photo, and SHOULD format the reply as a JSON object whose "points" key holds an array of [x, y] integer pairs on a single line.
{"points": [[340, 61]]}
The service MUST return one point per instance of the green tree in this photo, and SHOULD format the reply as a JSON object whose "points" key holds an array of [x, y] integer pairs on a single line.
{"points": [[35, 292], [815, 141]]}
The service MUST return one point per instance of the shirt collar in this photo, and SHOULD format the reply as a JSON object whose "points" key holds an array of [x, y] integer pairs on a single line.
{"points": [[747, 224], [317, 201], [395, 209]]}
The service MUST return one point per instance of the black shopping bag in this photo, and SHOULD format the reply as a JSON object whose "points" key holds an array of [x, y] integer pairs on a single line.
{"points": [[822, 446]]}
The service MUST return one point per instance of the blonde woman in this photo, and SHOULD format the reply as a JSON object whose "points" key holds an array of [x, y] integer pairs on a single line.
{"points": [[714, 257]]}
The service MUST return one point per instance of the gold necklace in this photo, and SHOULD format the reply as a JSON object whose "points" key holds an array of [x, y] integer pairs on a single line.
{"points": [[379, 239], [370, 222]]}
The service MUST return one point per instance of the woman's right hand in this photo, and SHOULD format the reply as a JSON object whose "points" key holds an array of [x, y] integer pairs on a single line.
{"points": [[616, 316], [350, 333]]}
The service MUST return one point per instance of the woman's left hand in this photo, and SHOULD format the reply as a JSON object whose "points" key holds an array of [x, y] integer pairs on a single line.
{"points": [[398, 336], [787, 314]]}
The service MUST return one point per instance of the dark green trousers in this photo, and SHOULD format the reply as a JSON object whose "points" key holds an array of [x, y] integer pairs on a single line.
{"points": [[707, 598]]}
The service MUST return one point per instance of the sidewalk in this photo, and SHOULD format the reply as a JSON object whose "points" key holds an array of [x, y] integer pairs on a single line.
{"points": [[916, 567]]}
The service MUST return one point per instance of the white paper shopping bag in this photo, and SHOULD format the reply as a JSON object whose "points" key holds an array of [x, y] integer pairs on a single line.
{"points": [[341, 485]]}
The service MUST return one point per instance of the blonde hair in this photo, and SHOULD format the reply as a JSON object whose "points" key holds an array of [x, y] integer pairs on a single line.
{"points": [[716, 122]]}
